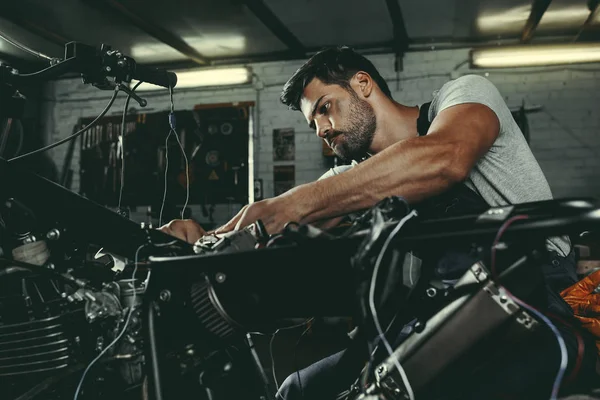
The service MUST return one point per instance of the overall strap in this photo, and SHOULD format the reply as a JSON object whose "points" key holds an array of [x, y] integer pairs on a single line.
{"points": [[423, 120]]}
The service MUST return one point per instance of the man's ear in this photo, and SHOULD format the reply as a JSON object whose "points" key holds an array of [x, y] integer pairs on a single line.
{"points": [[363, 83]]}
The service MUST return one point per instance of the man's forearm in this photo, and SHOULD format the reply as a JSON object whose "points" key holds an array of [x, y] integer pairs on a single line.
{"points": [[414, 169]]}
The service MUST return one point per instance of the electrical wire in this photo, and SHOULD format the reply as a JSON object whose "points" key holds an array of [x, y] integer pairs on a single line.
{"points": [[308, 321], [580, 347], [387, 345], [187, 165], [187, 176], [501, 231], [164, 199], [122, 331], [73, 136], [25, 48], [561, 342], [123, 143], [273, 360], [172, 125], [296, 361]]}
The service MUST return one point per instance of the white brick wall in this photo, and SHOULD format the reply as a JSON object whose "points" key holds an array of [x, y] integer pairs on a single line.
{"points": [[569, 96]]}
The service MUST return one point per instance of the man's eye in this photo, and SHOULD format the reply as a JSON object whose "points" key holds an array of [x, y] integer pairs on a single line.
{"points": [[324, 108]]}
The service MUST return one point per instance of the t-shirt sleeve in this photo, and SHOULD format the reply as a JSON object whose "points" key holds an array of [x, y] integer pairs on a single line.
{"points": [[337, 170], [472, 89]]}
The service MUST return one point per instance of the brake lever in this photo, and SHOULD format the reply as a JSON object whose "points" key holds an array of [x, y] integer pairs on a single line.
{"points": [[141, 102]]}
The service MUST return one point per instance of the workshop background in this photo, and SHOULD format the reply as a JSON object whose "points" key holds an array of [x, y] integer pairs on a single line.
{"points": [[416, 45]]}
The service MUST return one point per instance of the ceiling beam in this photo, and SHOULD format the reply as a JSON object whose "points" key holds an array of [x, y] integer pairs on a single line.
{"points": [[156, 31], [274, 24], [593, 5], [538, 8], [401, 40], [8, 12]]}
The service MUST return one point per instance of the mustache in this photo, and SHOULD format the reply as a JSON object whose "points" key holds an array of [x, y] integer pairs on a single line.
{"points": [[333, 135]]}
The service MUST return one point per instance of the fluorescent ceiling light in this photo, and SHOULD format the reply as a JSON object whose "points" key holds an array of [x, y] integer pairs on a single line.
{"points": [[535, 55], [516, 17], [206, 77]]}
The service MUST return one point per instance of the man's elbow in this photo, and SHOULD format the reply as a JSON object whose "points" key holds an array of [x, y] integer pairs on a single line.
{"points": [[454, 170]]}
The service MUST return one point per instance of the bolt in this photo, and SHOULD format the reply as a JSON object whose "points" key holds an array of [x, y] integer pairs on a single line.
{"points": [[503, 299], [53, 234], [164, 296], [227, 367], [380, 369], [419, 327], [50, 266], [190, 352], [121, 63], [107, 69], [431, 292], [220, 277]]}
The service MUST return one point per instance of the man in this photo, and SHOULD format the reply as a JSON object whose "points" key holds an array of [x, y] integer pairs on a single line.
{"points": [[472, 140]]}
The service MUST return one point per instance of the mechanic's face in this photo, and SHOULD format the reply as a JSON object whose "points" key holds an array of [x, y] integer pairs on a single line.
{"points": [[346, 122]]}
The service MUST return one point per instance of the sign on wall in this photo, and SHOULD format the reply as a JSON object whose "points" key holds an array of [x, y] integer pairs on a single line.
{"points": [[284, 178], [284, 147]]}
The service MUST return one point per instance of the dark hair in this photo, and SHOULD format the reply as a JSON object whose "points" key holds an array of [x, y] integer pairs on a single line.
{"points": [[334, 65]]}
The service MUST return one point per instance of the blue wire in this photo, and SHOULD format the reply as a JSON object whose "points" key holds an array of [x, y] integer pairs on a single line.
{"points": [[559, 339]]}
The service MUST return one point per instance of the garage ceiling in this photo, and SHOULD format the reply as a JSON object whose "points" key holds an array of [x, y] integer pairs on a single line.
{"points": [[196, 33]]}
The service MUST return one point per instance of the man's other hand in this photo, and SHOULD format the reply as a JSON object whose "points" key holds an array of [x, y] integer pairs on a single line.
{"points": [[274, 213], [184, 229]]}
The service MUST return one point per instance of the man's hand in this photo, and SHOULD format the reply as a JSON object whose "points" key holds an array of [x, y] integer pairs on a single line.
{"points": [[184, 229], [274, 213]]}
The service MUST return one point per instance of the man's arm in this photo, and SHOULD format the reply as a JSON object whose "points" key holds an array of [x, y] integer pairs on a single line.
{"points": [[415, 169]]}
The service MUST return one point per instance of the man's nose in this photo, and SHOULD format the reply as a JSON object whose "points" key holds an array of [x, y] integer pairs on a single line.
{"points": [[322, 132]]}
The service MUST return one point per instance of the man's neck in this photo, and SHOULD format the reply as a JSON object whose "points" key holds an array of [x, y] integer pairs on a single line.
{"points": [[395, 122]]}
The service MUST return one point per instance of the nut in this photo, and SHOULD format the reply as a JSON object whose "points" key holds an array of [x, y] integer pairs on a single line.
{"points": [[164, 296]]}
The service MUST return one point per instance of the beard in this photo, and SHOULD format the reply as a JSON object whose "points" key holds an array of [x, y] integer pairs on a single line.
{"points": [[353, 142]]}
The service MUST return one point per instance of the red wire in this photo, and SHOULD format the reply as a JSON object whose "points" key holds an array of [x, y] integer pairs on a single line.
{"points": [[501, 231], [580, 348]]}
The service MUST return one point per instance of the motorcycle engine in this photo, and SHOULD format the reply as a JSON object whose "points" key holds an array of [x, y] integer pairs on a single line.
{"points": [[59, 308]]}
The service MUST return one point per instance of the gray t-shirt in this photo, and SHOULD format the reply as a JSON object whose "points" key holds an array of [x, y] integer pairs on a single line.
{"points": [[508, 173]]}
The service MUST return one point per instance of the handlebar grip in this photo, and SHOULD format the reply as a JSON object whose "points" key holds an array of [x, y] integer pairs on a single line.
{"points": [[156, 76]]}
